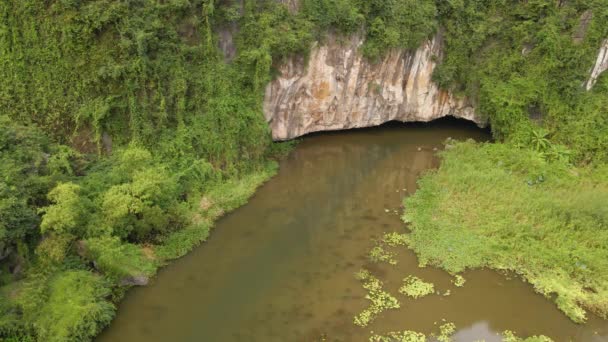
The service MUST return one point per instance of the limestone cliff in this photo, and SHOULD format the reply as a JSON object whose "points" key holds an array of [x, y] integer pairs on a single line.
{"points": [[339, 89], [601, 65]]}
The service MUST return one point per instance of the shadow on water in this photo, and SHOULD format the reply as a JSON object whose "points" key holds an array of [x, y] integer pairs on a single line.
{"points": [[281, 267]]}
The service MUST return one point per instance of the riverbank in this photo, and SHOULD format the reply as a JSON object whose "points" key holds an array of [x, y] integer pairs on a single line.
{"points": [[291, 254], [510, 209], [92, 226], [75, 302]]}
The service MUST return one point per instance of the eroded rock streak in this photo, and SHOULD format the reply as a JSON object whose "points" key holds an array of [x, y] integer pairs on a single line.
{"points": [[339, 89]]}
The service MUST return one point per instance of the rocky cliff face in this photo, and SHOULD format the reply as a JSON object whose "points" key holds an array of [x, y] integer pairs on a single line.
{"points": [[601, 65], [339, 89]]}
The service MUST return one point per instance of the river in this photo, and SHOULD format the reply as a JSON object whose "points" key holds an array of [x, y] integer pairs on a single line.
{"points": [[281, 268]]}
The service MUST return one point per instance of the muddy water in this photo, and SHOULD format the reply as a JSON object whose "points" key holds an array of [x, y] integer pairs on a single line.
{"points": [[281, 267]]}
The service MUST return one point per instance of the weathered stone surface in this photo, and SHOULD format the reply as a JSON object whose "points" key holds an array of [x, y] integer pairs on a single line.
{"points": [[292, 5], [581, 30], [601, 65], [139, 280], [226, 41], [339, 89], [5, 250]]}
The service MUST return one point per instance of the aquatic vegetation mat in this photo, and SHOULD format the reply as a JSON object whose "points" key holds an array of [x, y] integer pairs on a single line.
{"points": [[379, 252], [399, 336], [509, 336], [515, 209], [459, 280], [446, 331], [415, 287], [380, 299]]}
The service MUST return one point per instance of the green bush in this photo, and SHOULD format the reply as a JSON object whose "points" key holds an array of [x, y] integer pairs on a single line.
{"points": [[75, 308], [118, 260], [68, 210], [520, 63]]}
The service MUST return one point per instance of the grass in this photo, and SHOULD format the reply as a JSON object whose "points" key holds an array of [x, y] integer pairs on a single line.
{"points": [[505, 208]]}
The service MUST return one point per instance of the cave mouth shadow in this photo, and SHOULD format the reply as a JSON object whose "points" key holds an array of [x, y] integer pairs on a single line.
{"points": [[443, 122]]}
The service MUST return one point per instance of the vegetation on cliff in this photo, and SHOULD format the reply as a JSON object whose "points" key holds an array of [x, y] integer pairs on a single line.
{"points": [[532, 202], [124, 134]]}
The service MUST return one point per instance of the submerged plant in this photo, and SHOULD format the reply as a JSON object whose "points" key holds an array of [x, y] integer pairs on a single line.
{"points": [[394, 239], [380, 299], [379, 254], [415, 287]]}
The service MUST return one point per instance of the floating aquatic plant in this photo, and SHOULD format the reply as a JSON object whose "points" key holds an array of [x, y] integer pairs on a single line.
{"points": [[380, 299], [509, 336], [459, 280], [399, 336], [446, 331], [379, 254], [415, 287], [394, 239]]}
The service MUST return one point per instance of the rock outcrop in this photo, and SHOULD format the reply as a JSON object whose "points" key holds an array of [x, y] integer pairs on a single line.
{"points": [[339, 89], [601, 65]]}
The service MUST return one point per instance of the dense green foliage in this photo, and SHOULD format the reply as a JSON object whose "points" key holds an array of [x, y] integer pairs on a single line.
{"points": [[124, 133], [498, 206], [524, 62], [388, 24], [74, 307], [522, 206], [85, 233], [117, 117], [30, 165]]}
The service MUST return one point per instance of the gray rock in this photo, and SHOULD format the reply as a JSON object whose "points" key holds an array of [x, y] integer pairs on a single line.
{"points": [[340, 89], [601, 65], [139, 280]]}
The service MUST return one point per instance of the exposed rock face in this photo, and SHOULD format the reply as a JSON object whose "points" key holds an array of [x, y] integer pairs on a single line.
{"points": [[339, 89], [226, 41], [601, 65], [581, 30], [140, 280], [292, 5]]}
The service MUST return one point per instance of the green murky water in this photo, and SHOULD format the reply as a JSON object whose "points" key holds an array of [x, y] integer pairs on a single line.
{"points": [[281, 267]]}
